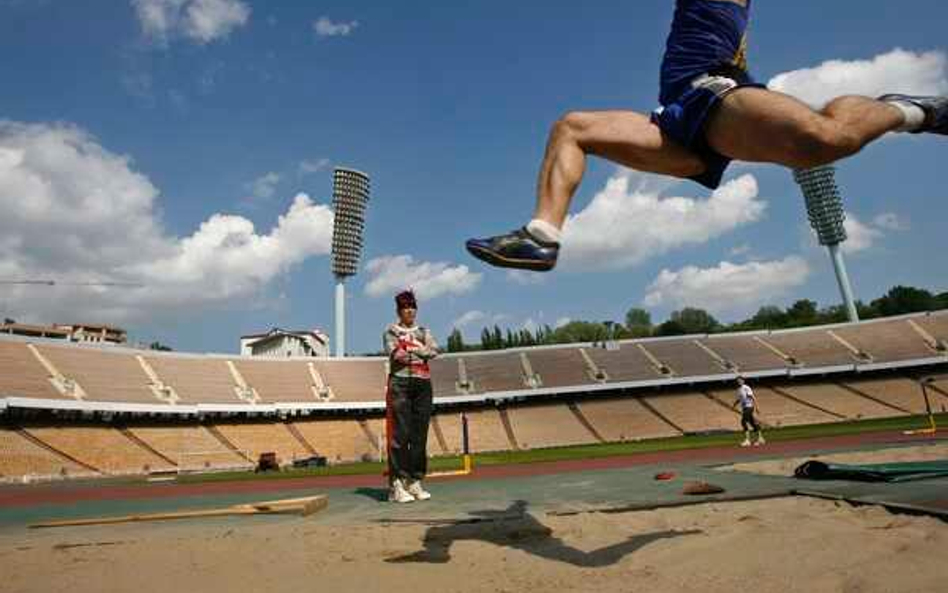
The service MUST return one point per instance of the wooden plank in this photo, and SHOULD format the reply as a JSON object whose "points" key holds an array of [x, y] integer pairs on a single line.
{"points": [[303, 506]]}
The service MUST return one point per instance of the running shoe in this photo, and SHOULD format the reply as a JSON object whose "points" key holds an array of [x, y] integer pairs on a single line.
{"points": [[935, 108], [516, 249]]}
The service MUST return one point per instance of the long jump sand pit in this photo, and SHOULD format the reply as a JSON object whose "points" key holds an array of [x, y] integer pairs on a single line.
{"points": [[774, 545], [785, 466]]}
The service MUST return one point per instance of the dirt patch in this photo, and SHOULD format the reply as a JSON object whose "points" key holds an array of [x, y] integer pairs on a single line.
{"points": [[775, 545]]}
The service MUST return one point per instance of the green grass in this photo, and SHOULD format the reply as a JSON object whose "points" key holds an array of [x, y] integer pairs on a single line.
{"points": [[592, 451]]}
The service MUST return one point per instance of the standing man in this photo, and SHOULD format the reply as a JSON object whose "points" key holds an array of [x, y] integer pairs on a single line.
{"points": [[408, 400], [745, 397], [711, 111]]}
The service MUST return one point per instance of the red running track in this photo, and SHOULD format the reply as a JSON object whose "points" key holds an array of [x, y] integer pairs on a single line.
{"points": [[71, 492]]}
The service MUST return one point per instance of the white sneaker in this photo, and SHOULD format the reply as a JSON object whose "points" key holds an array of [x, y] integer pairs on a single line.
{"points": [[760, 441], [415, 490], [746, 443], [397, 493]]}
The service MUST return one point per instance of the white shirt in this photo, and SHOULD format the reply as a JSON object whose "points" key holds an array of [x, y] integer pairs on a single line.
{"points": [[745, 394]]}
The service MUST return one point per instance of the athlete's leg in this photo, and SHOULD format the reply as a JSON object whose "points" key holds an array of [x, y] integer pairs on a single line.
{"points": [[624, 137], [754, 124]]}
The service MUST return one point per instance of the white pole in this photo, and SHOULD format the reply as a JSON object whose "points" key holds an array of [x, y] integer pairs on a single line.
{"points": [[340, 317], [839, 266]]}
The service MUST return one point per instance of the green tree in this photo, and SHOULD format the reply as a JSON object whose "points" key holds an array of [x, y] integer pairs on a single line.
{"points": [[802, 312], [905, 299], [579, 331], [638, 323], [455, 341], [692, 320], [769, 316]]}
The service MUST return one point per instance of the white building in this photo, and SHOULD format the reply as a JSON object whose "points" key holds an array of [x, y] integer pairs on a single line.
{"points": [[281, 343], [75, 332]]}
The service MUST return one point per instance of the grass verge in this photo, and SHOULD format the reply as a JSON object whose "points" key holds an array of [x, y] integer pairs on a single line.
{"points": [[696, 441]]}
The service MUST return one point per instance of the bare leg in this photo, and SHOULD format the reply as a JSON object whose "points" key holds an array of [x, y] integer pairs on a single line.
{"points": [[759, 125], [624, 137]]}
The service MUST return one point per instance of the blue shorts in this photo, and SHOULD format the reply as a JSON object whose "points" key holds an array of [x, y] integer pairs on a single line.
{"points": [[684, 118]]}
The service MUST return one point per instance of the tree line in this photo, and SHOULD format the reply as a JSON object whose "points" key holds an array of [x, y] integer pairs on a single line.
{"points": [[692, 320]]}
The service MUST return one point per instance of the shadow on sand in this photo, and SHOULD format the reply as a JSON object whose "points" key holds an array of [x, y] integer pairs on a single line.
{"points": [[515, 528]]}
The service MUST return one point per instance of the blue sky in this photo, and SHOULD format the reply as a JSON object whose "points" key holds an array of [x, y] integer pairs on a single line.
{"points": [[141, 138]]}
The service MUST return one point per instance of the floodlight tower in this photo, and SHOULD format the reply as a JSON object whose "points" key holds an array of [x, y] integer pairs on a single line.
{"points": [[824, 206], [350, 196]]}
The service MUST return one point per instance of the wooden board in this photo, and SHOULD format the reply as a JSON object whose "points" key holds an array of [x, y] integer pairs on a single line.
{"points": [[302, 506]]}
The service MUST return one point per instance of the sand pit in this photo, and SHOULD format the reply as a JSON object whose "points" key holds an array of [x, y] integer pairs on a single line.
{"points": [[776, 545], [785, 467]]}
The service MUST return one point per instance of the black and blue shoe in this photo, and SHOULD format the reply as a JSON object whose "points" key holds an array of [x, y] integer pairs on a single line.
{"points": [[935, 108], [517, 249]]}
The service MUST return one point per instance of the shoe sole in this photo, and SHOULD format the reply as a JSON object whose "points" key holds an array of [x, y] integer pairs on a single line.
{"points": [[495, 259]]}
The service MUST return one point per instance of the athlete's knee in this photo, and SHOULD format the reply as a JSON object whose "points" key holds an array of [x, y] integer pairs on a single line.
{"points": [[572, 125], [820, 143]]}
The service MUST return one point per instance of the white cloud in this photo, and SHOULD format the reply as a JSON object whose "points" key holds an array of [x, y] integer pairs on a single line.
{"points": [[202, 21], [391, 273], [74, 211], [324, 27], [891, 221], [309, 166], [727, 286], [622, 227], [898, 71], [524, 278], [742, 249], [561, 322], [530, 325], [264, 187], [859, 236], [469, 318]]}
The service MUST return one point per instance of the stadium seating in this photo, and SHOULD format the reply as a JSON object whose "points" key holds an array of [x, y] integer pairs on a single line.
{"points": [[839, 401], [22, 375], [20, 456], [624, 419], [936, 324], [744, 352], [559, 367], [487, 431], [444, 377], [776, 409], [812, 348], [901, 392], [495, 372], [254, 438], [102, 447], [628, 363], [693, 412], [340, 440], [684, 357], [356, 380], [103, 375], [191, 447], [886, 340], [547, 425], [196, 379], [278, 381]]}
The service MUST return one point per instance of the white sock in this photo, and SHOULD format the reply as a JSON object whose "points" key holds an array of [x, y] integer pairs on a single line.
{"points": [[544, 231], [913, 114]]}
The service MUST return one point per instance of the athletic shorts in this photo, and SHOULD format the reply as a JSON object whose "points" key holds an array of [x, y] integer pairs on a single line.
{"points": [[684, 119], [748, 421]]}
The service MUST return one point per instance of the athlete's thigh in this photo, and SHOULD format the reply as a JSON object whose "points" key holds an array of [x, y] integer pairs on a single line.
{"points": [[631, 139], [754, 124]]}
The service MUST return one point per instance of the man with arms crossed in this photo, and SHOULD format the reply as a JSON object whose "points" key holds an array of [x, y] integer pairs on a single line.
{"points": [[408, 400], [712, 111]]}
